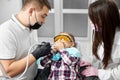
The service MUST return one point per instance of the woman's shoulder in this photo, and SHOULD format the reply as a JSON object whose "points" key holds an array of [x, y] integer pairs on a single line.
{"points": [[116, 47], [117, 37]]}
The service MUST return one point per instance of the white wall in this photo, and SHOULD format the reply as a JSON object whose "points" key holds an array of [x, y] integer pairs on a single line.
{"points": [[9, 7]]}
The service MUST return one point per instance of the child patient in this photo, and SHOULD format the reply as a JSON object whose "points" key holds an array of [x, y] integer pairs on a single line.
{"points": [[65, 61], [64, 57]]}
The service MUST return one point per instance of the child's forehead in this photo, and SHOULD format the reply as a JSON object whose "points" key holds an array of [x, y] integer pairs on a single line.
{"points": [[64, 34]]}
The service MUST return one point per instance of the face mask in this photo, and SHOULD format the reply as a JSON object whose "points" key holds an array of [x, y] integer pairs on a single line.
{"points": [[37, 25]]}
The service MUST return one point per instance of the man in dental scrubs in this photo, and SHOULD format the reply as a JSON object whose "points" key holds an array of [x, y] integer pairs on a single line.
{"points": [[17, 35]]}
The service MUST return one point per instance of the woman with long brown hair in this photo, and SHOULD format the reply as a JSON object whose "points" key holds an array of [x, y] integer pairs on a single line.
{"points": [[104, 14]]}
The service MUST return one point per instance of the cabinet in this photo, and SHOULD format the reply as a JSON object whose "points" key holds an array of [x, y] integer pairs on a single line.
{"points": [[67, 16]]}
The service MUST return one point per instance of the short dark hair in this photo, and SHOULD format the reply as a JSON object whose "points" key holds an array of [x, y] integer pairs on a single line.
{"points": [[40, 2]]}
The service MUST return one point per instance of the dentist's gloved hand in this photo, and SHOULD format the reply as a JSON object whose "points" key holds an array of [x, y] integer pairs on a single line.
{"points": [[42, 50]]}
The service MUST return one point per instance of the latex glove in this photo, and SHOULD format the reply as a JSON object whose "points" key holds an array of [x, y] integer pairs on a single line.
{"points": [[42, 50]]}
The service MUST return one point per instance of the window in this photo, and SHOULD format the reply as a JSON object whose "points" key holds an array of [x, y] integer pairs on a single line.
{"points": [[66, 16]]}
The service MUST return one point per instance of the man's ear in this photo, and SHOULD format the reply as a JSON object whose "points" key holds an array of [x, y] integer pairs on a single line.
{"points": [[31, 10]]}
